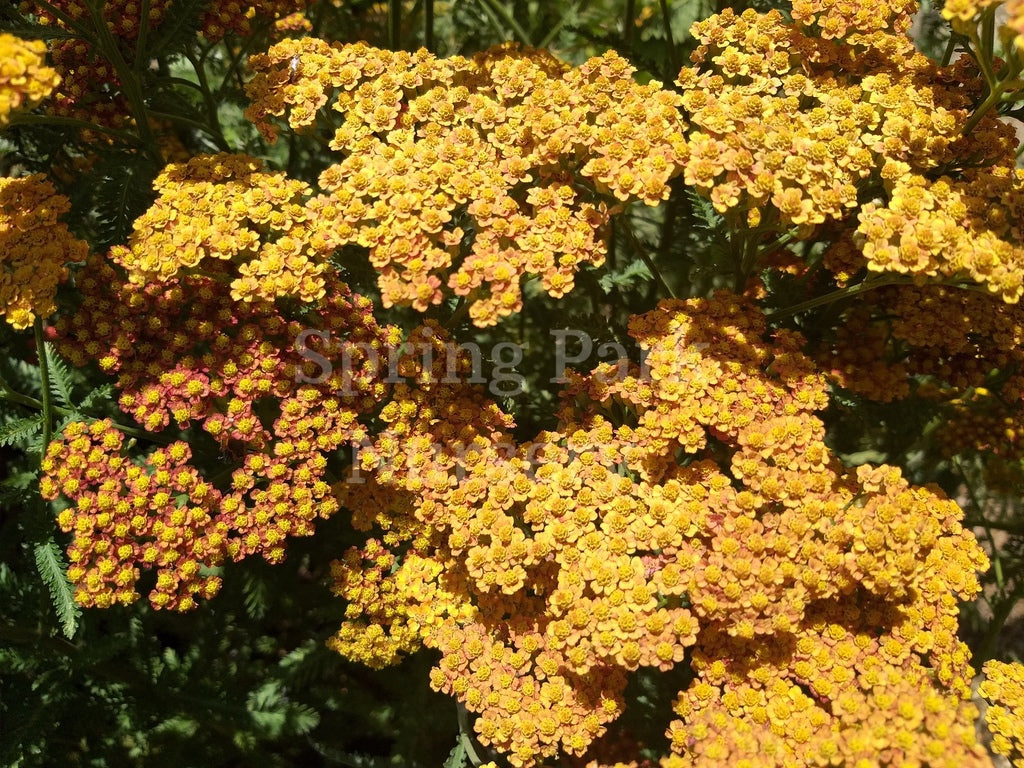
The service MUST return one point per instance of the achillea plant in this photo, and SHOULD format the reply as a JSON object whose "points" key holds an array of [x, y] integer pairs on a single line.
{"points": [[722, 542]]}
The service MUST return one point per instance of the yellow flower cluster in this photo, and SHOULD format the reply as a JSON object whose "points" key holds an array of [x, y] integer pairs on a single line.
{"points": [[966, 229], [226, 207], [821, 605], [965, 16], [472, 173], [1004, 688], [24, 80], [783, 114], [35, 248], [853, 22], [159, 515]]}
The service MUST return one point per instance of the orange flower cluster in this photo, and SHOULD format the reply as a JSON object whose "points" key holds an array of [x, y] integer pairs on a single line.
{"points": [[35, 248], [959, 349], [854, 23], [24, 80], [778, 140], [226, 207], [471, 174], [544, 571], [1004, 688], [185, 352]]}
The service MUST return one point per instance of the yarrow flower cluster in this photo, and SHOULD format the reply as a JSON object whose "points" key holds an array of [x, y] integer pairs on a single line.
{"points": [[227, 208], [968, 228], [158, 515], [543, 571], [24, 79], [771, 121], [187, 355], [35, 248], [469, 174], [1004, 688], [959, 350]]}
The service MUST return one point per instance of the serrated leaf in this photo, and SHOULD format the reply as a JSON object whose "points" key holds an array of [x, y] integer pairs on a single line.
{"points": [[634, 272], [119, 199], [60, 376], [707, 216], [50, 564], [20, 429], [100, 393], [19, 481], [457, 758]]}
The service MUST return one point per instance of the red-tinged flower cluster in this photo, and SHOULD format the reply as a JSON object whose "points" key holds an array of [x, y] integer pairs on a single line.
{"points": [[35, 248], [544, 571], [275, 403], [90, 85], [226, 207], [158, 515], [469, 174]]}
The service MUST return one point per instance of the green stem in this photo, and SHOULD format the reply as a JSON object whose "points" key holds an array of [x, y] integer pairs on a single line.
{"points": [[44, 386], [496, 9], [553, 33], [395, 24], [130, 86], [673, 59], [842, 293], [629, 26], [428, 25], [947, 54], [466, 737], [648, 260], [12, 396], [140, 41], [999, 617], [994, 95], [31, 118], [208, 100], [218, 138]]}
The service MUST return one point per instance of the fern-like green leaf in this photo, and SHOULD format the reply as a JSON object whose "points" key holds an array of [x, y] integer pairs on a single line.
{"points": [[20, 429], [457, 758], [633, 273], [119, 199], [707, 216], [60, 377], [98, 395], [50, 563]]}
